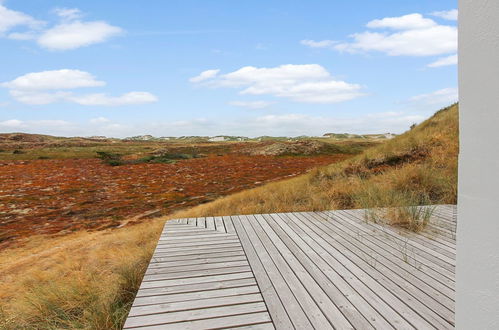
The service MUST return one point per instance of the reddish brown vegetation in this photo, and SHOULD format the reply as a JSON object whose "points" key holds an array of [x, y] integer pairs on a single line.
{"points": [[58, 196]]}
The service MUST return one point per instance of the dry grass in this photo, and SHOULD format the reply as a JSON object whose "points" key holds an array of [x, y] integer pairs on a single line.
{"points": [[416, 168], [84, 281], [88, 280]]}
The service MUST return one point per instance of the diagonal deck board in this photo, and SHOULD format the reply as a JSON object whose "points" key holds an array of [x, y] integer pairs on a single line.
{"points": [[300, 270]]}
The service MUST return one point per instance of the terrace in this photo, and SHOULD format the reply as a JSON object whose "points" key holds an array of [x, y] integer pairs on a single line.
{"points": [[299, 270]]}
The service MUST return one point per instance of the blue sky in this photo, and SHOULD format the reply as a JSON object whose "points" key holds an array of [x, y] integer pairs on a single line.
{"points": [[172, 68]]}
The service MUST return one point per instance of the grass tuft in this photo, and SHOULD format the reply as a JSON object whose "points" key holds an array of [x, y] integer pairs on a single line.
{"points": [[81, 281]]}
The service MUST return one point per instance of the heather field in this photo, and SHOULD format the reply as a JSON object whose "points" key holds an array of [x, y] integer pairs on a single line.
{"points": [[45, 191]]}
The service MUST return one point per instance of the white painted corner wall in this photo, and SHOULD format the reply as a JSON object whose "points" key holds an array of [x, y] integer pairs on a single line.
{"points": [[477, 277]]}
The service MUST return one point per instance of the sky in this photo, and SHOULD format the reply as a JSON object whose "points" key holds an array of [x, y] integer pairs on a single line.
{"points": [[224, 67]]}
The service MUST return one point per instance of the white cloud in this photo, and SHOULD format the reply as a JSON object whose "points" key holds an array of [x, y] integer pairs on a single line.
{"points": [[38, 97], [450, 15], [283, 119], [414, 35], [72, 35], [97, 99], [443, 61], [48, 87], [419, 42], [309, 83], [54, 79], [12, 123], [299, 124], [441, 97], [10, 19], [99, 120], [290, 124], [50, 123], [30, 35], [68, 13], [69, 33], [406, 22], [131, 98], [318, 44], [36, 125], [205, 75], [251, 104]]}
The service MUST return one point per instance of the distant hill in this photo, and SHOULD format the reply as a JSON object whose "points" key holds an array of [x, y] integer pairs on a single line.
{"points": [[25, 137], [343, 136], [12, 141], [39, 138]]}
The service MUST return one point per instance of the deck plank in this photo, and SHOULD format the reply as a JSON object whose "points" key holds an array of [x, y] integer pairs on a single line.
{"points": [[300, 270], [279, 314], [372, 247], [318, 271], [304, 287], [390, 280], [195, 314]]}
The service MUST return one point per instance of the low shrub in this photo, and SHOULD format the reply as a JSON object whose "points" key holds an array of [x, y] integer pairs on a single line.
{"points": [[110, 158]]}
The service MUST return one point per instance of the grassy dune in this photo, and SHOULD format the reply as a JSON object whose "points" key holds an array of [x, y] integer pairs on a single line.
{"points": [[88, 280], [80, 281], [415, 168]]}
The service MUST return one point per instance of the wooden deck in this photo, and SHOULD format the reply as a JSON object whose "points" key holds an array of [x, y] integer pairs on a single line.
{"points": [[302, 270]]}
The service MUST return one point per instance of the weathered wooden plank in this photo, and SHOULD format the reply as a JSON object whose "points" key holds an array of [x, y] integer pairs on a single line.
{"points": [[196, 280], [229, 226], [222, 254], [201, 236], [365, 248], [317, 269], [438, 314], [304, 269], [377, 247], [168, 298], [280, 317], [176, 269], [178, 306], [217, 271], [255, 320], [205, 243], [219, 225], [170, 230], [195, 287], [294, 275], [196, 314], [268, 276], [197, 261], [261, 326], [422, 243], [396, 244], [188, 231], [199, 248], [201, 222], [417, 240], [370, 287], [167, 253], [210, 223], [376, 295]]}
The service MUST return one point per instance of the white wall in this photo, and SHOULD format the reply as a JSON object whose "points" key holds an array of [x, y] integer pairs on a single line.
{"points": [[478, 202]]}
